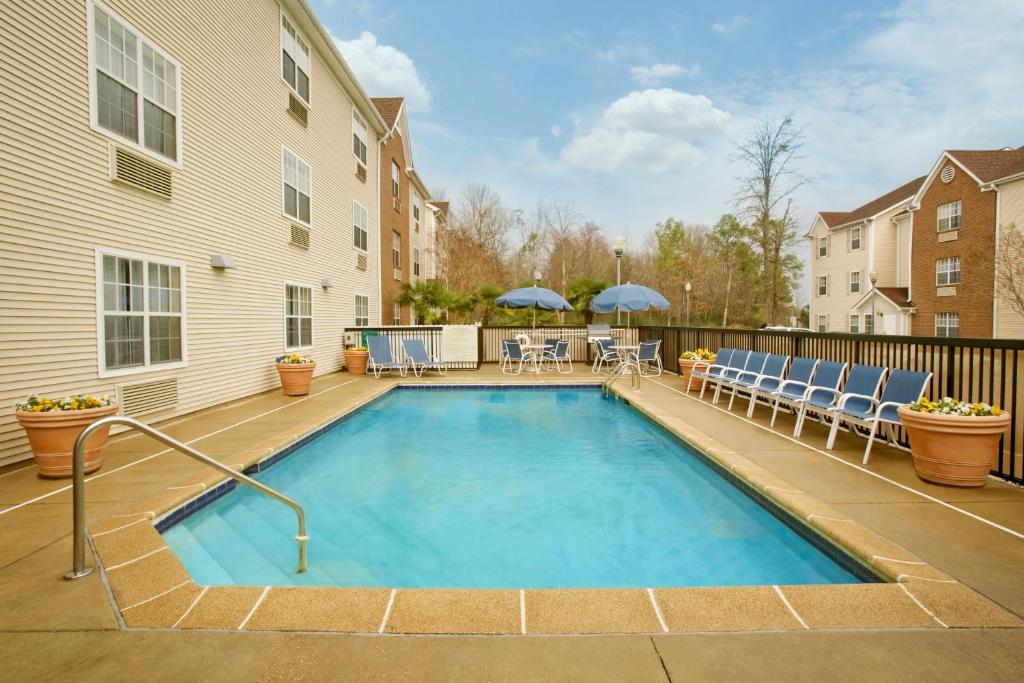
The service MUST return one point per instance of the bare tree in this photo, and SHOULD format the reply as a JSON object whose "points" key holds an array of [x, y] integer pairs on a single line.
{"points": [[1010, 267], [765, 198]]}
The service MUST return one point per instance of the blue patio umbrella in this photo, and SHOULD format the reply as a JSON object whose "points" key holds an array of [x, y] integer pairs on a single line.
{"points": [[628, 297], [533, 297]]}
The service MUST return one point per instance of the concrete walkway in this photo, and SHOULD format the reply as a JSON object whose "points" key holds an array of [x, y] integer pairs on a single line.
{"points": [[54, 629]]}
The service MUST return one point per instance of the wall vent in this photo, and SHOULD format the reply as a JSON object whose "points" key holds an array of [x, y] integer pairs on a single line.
{"points": [[141, 398], [361, 261], [397, 273], [298, 109], [948, 173], [360, 172], [396, 204], [141, 173], [300, 236]]}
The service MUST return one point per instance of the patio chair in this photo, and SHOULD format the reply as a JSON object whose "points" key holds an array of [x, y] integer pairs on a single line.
{"points": [[753, 366], [557, 356], [549, 344], [606, 355], [792, 393], [381, 361], [902, 387], [512, 353], [771, 374], [704, 368], [647, 358], [419, 360], [739, 362], [861, 386], [800, 372]]}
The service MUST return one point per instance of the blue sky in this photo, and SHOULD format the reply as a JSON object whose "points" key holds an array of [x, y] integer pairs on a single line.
{"points": [[630, 111]]}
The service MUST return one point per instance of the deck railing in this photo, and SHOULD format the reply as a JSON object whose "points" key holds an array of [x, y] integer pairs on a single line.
{"points": [[432, 337]]}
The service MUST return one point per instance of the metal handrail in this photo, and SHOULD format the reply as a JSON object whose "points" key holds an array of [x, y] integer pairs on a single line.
{"points": [[78, 550], [619, 371]]}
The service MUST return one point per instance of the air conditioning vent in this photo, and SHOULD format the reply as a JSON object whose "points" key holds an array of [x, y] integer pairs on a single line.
{"points": [[398, 274], [147, 397], [361, 261], [948, 173], [360, 172], [298, 109], [300, 236], [141, 173], [396, 204]]}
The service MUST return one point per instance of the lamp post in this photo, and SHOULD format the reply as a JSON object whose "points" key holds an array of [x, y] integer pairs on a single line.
{"points": [[619, 245], [688, 287], [874, 278]]}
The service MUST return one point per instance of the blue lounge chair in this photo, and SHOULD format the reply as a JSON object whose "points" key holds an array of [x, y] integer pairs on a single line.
{"points": [[754, 365], [903, 387], [737, 361], [800, 372], [648, 359], [772, 372], [606, 355], [381, 360], [419, 360], [703, 368], [859, 391], [558, 355], [511, 354], [793, 393]]}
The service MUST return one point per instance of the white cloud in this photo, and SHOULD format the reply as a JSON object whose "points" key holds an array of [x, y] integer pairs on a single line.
{"points": [[729, 25], [653, 74], [385, 71], [556, 130], [625, 51], [657, 129]]}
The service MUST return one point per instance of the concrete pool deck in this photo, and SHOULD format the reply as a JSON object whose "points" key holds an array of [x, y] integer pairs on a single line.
{"points": [[932, 523]]}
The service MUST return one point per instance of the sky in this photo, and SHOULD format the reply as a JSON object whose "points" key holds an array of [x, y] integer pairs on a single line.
{"points": [[631, 111]]}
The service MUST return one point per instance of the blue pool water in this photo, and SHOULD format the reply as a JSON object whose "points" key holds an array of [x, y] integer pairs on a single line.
{"points": [[498, 488]]}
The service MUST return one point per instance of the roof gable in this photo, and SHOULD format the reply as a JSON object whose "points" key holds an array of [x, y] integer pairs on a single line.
{"points": [[389, 108], [903, 193], [983, 165]]}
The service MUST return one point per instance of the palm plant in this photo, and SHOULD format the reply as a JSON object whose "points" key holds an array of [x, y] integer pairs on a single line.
{"points": [[581, 292]]}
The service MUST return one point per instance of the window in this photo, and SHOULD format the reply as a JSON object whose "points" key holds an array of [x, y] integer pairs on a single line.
{"points": [[142, 312], [855, 282], [296, 186], [854, 324], [949, 216], [359, 137], [822, 323], [855, 239], [294, 59], [869, 324], [947, 324], [396, 250], [416, 214], [135, 87], [396, 313], [396, 174], [823, 246], [298, 316], [359, 227], [362, 311], [823, 285], [416, 262], [947, 271]]}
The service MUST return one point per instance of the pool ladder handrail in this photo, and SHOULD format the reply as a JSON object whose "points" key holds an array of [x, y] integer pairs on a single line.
{"points": [[619, 371], [78, 492]]}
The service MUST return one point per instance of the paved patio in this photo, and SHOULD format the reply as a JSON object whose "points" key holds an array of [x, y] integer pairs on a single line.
{"points": [[970, 535]]}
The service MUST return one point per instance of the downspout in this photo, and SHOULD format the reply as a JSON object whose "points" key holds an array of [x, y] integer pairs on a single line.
{"points": [[380, 231], [995, 271]]}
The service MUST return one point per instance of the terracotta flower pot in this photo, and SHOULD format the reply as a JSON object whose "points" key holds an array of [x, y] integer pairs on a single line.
{"points": [[295, 377], [356, 361], [52, 436], [685, 370], [955, 450]]}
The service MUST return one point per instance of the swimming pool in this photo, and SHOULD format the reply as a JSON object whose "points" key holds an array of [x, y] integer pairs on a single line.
{"points": [[492, 488]]}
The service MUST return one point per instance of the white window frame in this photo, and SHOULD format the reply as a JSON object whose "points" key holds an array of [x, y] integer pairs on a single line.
{"points": [[416, 269], [355, 311], [823, 241], [817, 286], [285, 316], [854, 323], [947, 326], [860, 238], [850, 282], [396, 180], [365, 228], [286, 150], [101, 346], [396, 253], [821, 322], [359, 124], [141, 38], [869, 322], [948, 272], [396, 313], [950, 214], [280, 57]]}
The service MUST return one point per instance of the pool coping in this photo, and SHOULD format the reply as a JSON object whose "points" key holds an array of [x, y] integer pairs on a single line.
{"points": [[151, 588]]}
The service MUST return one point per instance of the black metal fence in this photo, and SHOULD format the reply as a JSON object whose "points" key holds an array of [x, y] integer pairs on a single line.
{"points": [[967, 369]]}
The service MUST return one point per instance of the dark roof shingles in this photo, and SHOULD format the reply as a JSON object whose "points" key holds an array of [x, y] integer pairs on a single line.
{"points": [[990, 164], [834, 219], [388, 108]]}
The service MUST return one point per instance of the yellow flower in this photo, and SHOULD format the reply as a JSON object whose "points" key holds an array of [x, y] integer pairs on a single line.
{"points": [[996, 410]]}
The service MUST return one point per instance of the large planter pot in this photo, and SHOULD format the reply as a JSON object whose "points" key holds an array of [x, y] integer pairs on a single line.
{"points": [[52, 436], [356, 361], [955, 450], [686, 370], [295, 377]]}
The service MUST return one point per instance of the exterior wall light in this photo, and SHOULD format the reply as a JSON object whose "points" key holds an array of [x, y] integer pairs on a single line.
{"points": [[222, 261]]}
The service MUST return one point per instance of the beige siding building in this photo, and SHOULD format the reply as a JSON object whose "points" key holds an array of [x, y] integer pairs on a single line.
{"points": [[1009, 323], [189, 190]]}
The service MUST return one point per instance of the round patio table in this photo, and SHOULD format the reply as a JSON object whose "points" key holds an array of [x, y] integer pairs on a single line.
{"points": [[537, 350]]}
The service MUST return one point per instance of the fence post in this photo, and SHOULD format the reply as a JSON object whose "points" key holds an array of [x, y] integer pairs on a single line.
{"points": [[951, 371], [479, 346]]}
